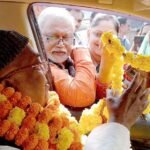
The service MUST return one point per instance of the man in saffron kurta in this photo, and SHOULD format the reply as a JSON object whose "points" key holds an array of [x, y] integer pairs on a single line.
{"points": [[77, 91], [73, 71]]}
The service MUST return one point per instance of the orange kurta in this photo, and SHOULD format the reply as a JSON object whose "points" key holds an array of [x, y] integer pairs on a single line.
{"points": [[78, 91]]}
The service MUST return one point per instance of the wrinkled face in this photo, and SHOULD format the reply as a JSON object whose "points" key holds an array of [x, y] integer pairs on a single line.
{"points": [[27, 76], [94, 37], [78, 16], [57, 36]]}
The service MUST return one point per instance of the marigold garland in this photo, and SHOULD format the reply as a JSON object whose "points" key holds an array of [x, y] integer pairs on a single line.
{"points": [[113, 45], [93, 117], [114, 48], [33, 127]]}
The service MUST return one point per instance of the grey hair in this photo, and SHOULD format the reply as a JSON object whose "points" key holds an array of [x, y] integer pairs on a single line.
{"points": [[55, 12], [101, 17]]}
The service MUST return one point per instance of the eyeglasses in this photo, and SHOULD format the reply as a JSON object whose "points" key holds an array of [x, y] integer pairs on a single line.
{"points": [[56, 39]]}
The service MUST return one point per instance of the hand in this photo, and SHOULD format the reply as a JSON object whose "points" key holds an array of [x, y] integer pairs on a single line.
{"points": [[125, 109]]}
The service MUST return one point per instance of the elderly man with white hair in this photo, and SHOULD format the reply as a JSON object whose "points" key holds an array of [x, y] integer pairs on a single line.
{"points": [[74, 80]]}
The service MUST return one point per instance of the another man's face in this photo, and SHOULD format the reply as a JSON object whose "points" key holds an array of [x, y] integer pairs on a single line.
{"points": [[57, 36], [78, 16], [27, 75]]}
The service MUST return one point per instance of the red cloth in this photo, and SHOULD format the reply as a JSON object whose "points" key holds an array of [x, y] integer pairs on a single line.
{"points": [[100, 90]]}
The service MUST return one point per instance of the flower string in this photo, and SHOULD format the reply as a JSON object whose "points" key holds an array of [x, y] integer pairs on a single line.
{"points": [[33, 127]]}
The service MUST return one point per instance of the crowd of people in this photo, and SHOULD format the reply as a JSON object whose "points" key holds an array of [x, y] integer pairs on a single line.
{"points": [[75, 72]]}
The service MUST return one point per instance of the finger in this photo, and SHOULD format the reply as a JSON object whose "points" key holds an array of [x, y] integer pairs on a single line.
{"points": [[140, 107], [144, 105], [116, 93], [140, 103], [132, 84], [129, 94], [137, 93], [144, 100], [140, 90], [125, 86], [109, 93], [141, 86], [110, 98], [145, 95]]}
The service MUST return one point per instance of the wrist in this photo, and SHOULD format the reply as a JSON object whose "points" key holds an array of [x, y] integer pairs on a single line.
{"points": [[113, 119]]}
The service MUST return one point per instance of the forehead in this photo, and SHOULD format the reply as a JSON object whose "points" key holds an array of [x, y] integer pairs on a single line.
{"points": [[58, 25], [105, 26]]}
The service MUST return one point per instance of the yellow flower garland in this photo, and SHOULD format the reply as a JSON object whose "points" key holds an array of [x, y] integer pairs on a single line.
{"points": [[114, 48], [112, 44]]}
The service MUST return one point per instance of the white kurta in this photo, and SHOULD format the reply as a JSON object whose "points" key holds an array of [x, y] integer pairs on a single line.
{"points": [[109, 136]]}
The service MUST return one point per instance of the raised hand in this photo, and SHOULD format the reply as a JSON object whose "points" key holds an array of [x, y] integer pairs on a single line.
{"points": [[125, 109]]}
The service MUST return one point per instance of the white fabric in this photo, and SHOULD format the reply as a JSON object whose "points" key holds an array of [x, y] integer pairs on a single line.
{"points": [[109, 136], [8, 148]]}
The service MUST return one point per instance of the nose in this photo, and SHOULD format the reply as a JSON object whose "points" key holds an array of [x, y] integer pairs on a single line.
{"points": [[60, 42]]}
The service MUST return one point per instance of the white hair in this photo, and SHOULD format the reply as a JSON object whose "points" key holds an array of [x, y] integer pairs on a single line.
{"points": [[50, 12]]}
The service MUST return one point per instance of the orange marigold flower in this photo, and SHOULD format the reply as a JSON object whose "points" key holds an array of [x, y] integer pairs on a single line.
{"points": [[45, 116], [34, 109], [53, 135], [31, 142], [15, 98], [42, 145], [56, 122], [12, 131], [52, 147], [5, 107], [4, 126], [21, 136], [8, 92], [76, 146], [53, 105], [29, 122], [24, 102], [65, 121]]}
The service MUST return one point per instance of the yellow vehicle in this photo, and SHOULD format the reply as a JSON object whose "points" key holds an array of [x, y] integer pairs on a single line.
{"points": [[21, 16]]}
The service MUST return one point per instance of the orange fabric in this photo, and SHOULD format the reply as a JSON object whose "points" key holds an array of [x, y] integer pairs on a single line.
{"points": [[78, 91]]}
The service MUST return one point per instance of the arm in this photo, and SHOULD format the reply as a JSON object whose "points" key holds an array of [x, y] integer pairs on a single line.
{"points": [[78, 91], [124, 111], [126, 108]]}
